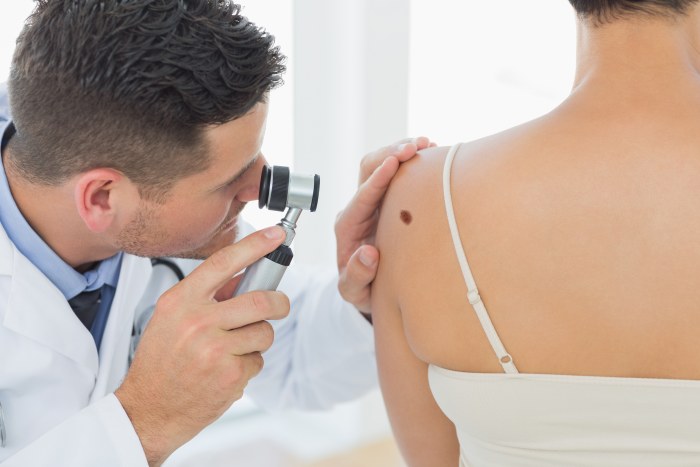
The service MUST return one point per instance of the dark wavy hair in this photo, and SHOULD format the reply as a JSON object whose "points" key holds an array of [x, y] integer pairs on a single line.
{"points": [[131, 85], [603, 11]]}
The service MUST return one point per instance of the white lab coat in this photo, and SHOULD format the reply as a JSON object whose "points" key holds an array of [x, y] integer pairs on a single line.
{"points": [[57, 392]]}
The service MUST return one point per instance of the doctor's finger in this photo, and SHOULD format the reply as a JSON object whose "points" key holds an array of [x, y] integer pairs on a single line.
{"points": [[355, 281], [368, 196], [250, 308], [245, 367], [255, 337], [403, 150], [210, 276]]}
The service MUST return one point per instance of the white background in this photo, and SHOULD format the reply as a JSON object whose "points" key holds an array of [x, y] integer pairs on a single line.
{"points": [[363, 74]]}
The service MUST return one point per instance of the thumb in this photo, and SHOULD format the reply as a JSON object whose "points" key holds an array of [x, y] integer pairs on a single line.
{"points": [[357, 276]]}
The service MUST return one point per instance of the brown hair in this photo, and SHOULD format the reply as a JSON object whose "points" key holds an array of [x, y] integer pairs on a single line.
{"points": [[603, 11], [131, 86]]}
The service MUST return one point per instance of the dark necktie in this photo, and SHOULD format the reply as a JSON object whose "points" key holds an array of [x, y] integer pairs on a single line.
{"points": [[85, 306]]}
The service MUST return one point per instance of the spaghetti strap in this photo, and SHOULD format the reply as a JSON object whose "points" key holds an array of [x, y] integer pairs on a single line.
{"points": [[472, 292]]}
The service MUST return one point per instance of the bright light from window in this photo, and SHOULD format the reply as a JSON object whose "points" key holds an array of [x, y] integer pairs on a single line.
{"points": [[275, 16], [481, 67]]}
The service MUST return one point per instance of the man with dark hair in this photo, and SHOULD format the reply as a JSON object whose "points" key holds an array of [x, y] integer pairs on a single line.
{"points": [[135, 132]]}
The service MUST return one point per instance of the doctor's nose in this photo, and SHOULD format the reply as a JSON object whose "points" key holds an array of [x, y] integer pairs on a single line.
{"points": [[251, 188]]}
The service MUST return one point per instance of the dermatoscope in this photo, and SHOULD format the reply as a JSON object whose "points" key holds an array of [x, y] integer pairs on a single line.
{"points": [[280, 189]]}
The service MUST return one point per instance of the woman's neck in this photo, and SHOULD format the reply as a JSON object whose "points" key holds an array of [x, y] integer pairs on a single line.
{"points": [[640, 52]]}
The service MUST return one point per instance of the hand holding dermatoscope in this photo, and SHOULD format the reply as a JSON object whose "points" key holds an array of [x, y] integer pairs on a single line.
{"points": [[280, 189], [196, 368]]}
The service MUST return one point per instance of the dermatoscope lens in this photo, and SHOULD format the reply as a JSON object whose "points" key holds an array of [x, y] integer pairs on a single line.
{"points": [[264, 193]]}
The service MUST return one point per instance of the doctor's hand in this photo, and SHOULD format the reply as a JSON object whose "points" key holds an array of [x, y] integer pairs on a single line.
{"points": [[197, 354], [356, 225]]}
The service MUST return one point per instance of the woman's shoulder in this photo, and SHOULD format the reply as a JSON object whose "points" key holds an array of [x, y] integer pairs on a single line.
{"points": [[413, 207], [418, 172], [483, 153], [418, 184], [410, 199], [484, 173], [423, 172]]}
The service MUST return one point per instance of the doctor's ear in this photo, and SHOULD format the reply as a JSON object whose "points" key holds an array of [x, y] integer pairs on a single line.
{"points": [[98, 194]]}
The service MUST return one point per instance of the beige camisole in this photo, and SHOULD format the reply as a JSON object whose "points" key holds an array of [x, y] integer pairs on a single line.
{"points": [[515, 419]]}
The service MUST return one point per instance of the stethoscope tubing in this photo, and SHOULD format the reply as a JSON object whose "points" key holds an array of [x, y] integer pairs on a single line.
{"points": [[3, 434]]}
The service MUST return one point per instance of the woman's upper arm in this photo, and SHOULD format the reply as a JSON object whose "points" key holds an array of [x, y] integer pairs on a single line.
{"points": [[424, 434]]}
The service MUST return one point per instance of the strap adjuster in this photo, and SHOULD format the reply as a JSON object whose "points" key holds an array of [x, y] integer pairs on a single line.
{"points": [[474, 297]]}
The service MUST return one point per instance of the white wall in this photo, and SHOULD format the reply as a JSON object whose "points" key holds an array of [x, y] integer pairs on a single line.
{"points": [[275, 16], [481, 67], [12, 16], [362, 74], [350, 93]]}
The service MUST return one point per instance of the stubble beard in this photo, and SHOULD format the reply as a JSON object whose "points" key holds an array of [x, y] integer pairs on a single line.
{"points": [[144, 237]]}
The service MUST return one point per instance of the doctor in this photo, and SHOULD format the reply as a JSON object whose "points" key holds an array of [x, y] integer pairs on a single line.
{"points": [[135, 132]]}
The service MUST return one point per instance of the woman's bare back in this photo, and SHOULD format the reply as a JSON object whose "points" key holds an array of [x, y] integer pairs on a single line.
{"points": [[582, 229]]}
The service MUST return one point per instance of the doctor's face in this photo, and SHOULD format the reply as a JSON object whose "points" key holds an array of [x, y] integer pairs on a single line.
{"points": [[200, 214]]}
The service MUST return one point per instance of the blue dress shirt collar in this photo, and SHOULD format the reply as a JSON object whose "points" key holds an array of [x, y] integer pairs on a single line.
{"points": [[69, 281]]}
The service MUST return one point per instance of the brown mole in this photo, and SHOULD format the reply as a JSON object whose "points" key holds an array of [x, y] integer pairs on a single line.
{"points": [[406, 217]]}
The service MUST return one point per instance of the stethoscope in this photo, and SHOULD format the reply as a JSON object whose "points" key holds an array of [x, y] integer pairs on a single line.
{"points": [[143, 319], [3, 435]]}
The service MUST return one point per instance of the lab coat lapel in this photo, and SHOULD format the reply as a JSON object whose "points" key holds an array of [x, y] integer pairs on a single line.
{"points": [[114, 352], [38, 310]]}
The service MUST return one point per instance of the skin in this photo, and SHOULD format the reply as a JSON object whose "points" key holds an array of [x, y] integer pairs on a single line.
{"points": [[581, 229], [202, 346]]}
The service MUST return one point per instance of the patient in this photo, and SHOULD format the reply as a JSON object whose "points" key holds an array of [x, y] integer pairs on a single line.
{"points": [[581, 231]]}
